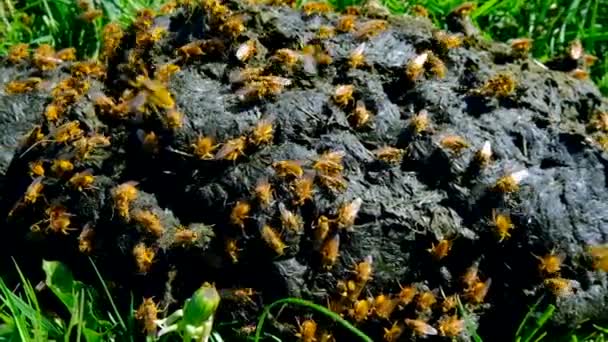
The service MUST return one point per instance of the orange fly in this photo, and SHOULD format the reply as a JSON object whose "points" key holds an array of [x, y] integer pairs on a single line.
{"points": [[440, 250], [330, 251], [303, 190]]}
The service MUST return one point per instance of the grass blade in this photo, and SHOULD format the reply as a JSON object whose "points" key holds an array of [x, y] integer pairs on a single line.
{"points": [[528, 315], [32, 302], [8, 298], [484, 9], [539, 338], [547, 314], [318, 308], [107, 292], [602, 329], [469, 327]]}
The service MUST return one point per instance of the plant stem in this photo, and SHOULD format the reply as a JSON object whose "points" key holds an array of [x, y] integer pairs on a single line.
{"points": [[301, 302]]}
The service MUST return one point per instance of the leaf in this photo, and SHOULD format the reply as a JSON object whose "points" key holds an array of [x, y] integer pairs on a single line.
{"points": [[201, 306], [7, 329], [602, 329], [92, 335], [216, 337], [10, 300], [61, 281]]}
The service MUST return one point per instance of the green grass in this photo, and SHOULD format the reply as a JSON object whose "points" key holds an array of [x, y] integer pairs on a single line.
{"points": [[553, 24], [529, 329], [81, 315], [57, 22], [534, 328], [23, 318]]}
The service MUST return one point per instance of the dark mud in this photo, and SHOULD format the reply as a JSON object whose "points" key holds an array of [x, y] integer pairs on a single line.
{"points": [[432, 194]]}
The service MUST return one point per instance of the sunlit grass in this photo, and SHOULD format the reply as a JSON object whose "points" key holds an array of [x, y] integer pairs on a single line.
{"points": [[58, 22], [553, 24], [82, 313]]}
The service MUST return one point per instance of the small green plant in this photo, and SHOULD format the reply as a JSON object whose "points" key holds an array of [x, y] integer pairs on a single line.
{"points": [[469, 324], [195, 320], [530, 329], [533, 327]]}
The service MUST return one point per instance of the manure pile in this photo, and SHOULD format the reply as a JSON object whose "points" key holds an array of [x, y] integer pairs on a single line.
{"points": [[374, 164]]}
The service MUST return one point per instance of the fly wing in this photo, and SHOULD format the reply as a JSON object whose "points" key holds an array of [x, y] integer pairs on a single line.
{"points": [[136, 104], [309, 63]]}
